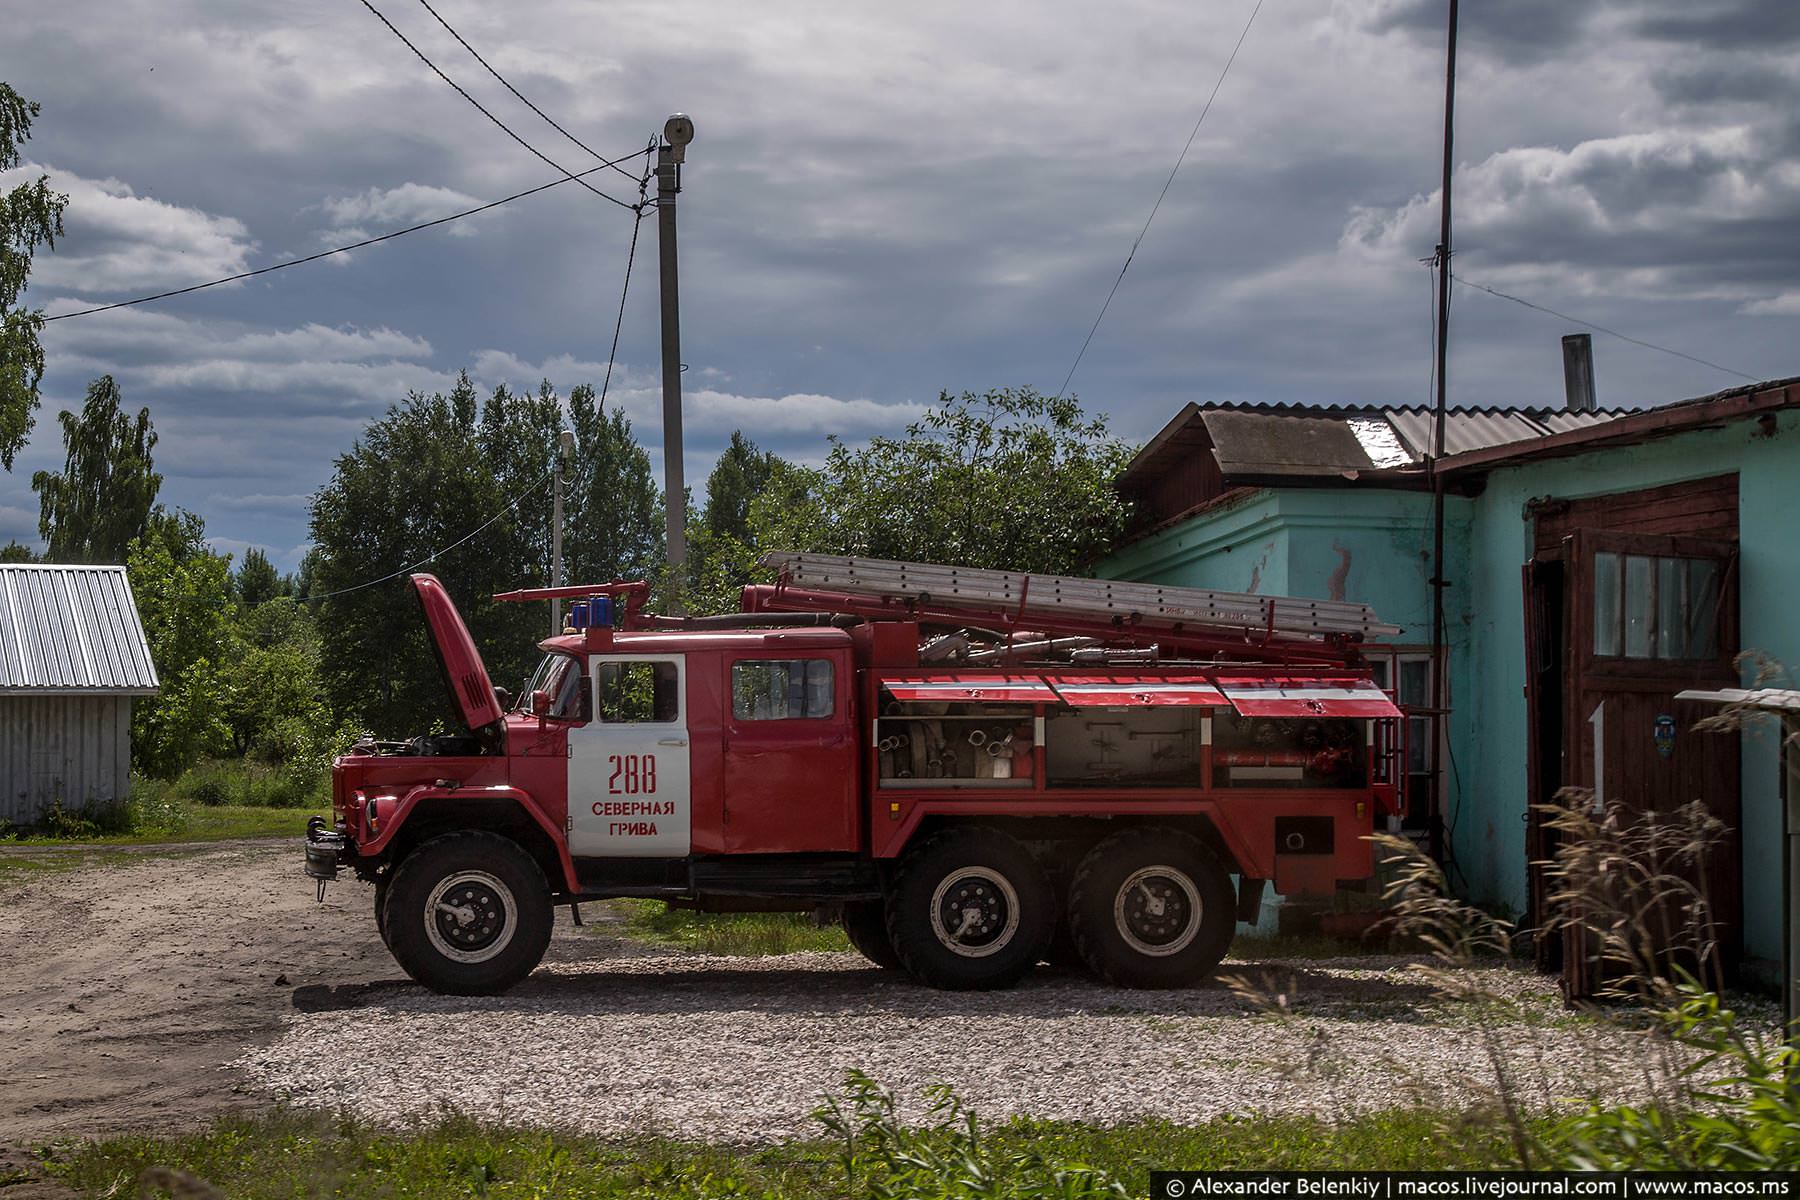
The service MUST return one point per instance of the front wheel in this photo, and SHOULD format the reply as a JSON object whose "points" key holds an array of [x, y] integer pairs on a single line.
{"points": [[1151, 908], [468, 913], [970, 908]]}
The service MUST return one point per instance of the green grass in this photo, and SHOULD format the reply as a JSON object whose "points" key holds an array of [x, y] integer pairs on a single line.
{"points": [[290, 1156], [174, 821], [656, 923]]}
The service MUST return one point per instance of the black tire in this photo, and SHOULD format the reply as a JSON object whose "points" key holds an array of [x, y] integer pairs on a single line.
{"points": [[381, 890], [1061, 953], [1006, 905], [1151, 908], [503, 925], [865, 924]]}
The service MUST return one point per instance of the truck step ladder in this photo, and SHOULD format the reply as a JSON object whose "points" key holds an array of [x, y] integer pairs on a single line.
{"points": [[1045, 599]]}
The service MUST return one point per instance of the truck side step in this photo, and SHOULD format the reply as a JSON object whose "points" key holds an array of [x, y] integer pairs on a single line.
{"points": [[826, 877]]}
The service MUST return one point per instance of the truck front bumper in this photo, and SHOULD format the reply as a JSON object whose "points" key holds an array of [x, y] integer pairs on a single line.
{"points": [[325, 848]]}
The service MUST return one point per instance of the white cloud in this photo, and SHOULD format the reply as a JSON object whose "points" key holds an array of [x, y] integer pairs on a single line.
{"points": [[377, 210], [1642, 210], [1787, 304], [116, 241]]}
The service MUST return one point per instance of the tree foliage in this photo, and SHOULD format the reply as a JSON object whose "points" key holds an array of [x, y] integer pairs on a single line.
{"points": [[1007, 479], [258, 581], [425, 477], [615, 523], [740, 475], [105, 496], [182, 593], [30, 217], [723, 545]]}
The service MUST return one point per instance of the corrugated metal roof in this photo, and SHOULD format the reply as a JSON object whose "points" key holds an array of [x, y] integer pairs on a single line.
{"points": [[1267, 440], [69, 630]]}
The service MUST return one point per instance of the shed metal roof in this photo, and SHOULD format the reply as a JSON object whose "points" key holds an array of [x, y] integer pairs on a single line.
{"points": [[71, 630], [1288, 441], [1270, 440]]}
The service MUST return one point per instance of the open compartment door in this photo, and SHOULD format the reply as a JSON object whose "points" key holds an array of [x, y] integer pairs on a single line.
{"points": [[1136, 691], [946, 687], [1311, 696]]}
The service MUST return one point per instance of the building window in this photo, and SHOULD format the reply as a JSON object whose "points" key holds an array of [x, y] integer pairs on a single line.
{"points": [[637, 693], [1651, 606], [781, 689], [1408, 677]]}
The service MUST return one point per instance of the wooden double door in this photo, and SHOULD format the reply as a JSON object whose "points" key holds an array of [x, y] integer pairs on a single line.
{"points": [[1618, 621]]}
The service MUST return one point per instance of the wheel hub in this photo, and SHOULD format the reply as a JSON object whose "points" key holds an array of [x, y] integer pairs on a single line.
{"points": [[975, 912], [470, 916], [1157, 911]]}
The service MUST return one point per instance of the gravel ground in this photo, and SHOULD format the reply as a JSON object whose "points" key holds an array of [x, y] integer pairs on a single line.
{"points": [[162, 989], [740, 1049]]}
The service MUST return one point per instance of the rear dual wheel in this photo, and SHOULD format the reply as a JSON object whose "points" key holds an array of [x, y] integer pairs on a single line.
{"points": [[865, 924], [970, 909], [1151, 908]]}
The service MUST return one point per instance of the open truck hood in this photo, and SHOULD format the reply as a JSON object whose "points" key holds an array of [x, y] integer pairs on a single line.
{"points": [[471, 691]]}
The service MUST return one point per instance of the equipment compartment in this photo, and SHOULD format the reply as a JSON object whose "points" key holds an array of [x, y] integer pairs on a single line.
{"points": [[1125, 747], [960, 745]]}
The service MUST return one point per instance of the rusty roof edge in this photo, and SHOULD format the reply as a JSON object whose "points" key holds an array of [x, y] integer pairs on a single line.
{"points": [[1151, 448], [1721, 408]]}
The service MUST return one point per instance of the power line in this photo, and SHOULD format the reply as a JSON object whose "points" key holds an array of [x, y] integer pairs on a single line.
{"points": [[502, 125], [630, 257], [1602, 329], [515, 91], [1159, 198], [637, 224], [294, 262], [482, 528]]}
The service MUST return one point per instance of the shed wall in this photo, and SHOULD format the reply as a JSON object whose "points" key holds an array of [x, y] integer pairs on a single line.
{"points": [[73, 748], [1491, 733]]}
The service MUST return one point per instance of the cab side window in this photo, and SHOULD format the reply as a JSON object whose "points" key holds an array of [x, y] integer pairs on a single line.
{"points": [[568, 691], [637, 693], [782, 689]]}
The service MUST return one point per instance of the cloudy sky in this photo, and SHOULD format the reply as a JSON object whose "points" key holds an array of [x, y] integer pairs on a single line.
{"points": [[885, 201]]}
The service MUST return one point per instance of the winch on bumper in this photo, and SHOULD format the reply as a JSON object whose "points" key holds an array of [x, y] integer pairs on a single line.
{"points": [[324, 849]]}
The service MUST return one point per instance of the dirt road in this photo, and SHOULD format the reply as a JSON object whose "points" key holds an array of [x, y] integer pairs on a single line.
{"points": [[125, 989]]}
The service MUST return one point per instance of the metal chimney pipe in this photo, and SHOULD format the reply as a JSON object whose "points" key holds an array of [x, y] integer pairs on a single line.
{"points": [[1578, 371]]}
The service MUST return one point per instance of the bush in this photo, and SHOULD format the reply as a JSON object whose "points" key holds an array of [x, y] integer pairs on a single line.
{"points": [[149, 810], [1740, 1110], [244, 782]]}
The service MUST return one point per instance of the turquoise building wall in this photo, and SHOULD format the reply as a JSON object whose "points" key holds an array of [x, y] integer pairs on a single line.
{"points": [[1491, 840], [1374, 546]]}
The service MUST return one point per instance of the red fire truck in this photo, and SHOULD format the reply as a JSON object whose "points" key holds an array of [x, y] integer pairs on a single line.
{"points": [[969, 769]]}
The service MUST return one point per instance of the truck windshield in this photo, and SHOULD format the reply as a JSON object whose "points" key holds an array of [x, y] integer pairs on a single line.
{"points": [[560, 677]]}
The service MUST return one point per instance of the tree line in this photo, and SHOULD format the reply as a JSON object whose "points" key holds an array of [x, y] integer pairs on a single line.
{"points": [[285, 669]]}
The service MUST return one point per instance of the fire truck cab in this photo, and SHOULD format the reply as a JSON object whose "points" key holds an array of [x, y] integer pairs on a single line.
{"points": [[968, 784]]}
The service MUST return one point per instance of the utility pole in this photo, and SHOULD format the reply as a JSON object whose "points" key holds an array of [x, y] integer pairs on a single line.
{"points": [[678, 131], [565, 453], [1439, 664]]}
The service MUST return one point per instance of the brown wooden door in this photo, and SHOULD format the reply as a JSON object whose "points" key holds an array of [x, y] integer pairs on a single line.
{"points": [[1649, 615]]}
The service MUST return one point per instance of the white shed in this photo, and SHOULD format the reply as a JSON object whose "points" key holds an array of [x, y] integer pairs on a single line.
{"points": [[72, 657]]}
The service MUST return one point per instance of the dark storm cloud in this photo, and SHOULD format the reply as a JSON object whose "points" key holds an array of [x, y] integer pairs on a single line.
{"points": [[1516, 31], [881, 203], [1726, 24]]}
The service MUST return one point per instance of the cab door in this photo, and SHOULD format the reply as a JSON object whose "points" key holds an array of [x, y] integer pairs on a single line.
{"points": [[790, 757], [630, 787]]}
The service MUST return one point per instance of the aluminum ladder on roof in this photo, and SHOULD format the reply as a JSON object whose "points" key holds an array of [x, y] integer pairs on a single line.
{"points": [[1087, 598]]}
